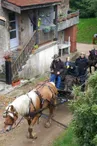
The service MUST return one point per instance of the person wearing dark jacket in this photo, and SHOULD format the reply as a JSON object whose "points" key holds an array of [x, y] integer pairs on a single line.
{"points": [[57, 69], [82, 64]]}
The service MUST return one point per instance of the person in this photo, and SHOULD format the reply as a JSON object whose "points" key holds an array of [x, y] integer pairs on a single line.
{"points": [[67, 63], [70, 66], [57, 69], [94, 38], [82, 63]]}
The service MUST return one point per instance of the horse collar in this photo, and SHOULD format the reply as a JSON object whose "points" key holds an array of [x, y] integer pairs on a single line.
{"points": [[40, 97]]}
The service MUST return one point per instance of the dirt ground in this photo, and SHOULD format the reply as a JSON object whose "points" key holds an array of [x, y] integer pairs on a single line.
{"points": [[18, 136]]}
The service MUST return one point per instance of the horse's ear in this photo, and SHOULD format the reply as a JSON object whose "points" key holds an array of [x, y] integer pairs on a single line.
{"points": [[12, 107]]}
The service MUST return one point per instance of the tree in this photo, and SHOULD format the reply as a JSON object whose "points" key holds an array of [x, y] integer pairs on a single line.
{"points": [[85, 113], [87, 8]]}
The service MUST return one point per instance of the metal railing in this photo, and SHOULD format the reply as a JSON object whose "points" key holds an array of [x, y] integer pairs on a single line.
{"points": [[23, 56]]}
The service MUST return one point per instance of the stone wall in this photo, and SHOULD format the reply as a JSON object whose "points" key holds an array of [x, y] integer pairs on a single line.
{"points": [[26, 30], [63, 7], [4, 35], [61, 37]]}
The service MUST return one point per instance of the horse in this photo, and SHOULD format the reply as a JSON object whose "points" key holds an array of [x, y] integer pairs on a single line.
{"points": [[30, 106], [92, 59], [95, 39]]}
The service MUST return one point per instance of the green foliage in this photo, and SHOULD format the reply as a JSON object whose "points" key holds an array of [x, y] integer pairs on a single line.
{"points": [[86, 30], [88, 8], [85, 113], [46, 29], [36, 46], [66, 139]]}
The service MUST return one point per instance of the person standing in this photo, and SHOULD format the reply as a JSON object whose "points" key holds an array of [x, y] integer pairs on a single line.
{"points": [[57, 69], [82, 64]]}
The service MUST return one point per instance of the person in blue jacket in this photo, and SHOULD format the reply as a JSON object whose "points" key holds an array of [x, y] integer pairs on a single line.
{"points": [[70, 66], [82, 64]]}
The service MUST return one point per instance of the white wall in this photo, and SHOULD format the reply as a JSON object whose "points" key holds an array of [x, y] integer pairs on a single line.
{"points": [[40, 62]]}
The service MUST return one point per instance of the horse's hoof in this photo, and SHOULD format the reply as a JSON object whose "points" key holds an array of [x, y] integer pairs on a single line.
{"points": [[47, 125], [33, 136]]}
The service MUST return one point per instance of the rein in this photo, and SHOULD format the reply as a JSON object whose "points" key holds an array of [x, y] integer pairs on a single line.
{"points": [[2, 131]]}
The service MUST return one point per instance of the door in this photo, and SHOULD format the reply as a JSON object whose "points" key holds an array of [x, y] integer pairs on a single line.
{"points": [[13, 23]]}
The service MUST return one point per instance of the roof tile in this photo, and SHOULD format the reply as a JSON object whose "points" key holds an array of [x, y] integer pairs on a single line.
{"points": [[31, 2]]}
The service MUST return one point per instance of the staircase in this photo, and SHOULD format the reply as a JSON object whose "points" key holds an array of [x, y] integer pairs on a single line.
{"points": [[20, 58]]}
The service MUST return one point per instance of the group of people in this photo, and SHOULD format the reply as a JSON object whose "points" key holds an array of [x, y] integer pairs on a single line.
{"points": [[57, 67]]}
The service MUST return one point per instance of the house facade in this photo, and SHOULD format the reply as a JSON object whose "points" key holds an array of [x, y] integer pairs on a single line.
{"points": [[28, 24]]}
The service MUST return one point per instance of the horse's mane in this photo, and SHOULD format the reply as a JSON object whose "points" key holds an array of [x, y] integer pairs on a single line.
{"points": [[21, 103]]}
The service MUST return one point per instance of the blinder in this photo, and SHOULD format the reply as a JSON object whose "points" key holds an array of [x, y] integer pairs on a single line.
{"points": [[10, 113]]}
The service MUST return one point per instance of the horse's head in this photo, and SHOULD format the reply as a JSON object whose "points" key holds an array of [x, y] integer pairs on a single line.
{"points": [[92, 54], [10, 116]]}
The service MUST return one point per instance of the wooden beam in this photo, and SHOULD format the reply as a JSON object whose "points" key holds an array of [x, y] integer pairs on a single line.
{"points": [[38, 6], [11, 7]]}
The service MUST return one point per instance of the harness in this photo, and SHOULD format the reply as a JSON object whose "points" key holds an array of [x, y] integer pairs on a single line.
{"points": [[40, 97], [33, 114]]}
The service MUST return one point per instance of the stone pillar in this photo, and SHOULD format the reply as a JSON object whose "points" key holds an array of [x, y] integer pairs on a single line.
{"points": [[72, 32], [8, 71]]}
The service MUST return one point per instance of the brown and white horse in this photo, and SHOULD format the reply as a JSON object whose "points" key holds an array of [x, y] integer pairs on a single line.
{"points": [[28, 105]]}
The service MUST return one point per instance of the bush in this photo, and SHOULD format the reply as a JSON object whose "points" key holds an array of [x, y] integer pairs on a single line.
{"points": [[85, 113]]}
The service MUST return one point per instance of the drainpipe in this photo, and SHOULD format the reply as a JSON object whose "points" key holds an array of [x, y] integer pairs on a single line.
{"points": [[56, 23], [37, 35]]}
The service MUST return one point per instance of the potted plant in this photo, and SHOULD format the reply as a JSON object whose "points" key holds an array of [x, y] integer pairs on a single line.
{"points": [[46, 29], [34, 48], [16, 81], [53, 27], [7, 57]]}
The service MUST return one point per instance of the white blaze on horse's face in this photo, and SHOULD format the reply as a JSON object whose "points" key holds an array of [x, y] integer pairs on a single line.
{"points": [[10, 116]]}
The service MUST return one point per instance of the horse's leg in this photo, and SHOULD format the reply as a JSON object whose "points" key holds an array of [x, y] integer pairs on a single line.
{"points": [[29, 128], [31, 123], [51, 110]]}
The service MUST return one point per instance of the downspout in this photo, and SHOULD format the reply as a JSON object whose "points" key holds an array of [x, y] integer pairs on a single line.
{"points": [[56, 22]]}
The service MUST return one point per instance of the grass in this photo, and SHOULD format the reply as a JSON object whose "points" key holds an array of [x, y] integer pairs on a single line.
{"points": [[66, 139], [86, 29]]}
